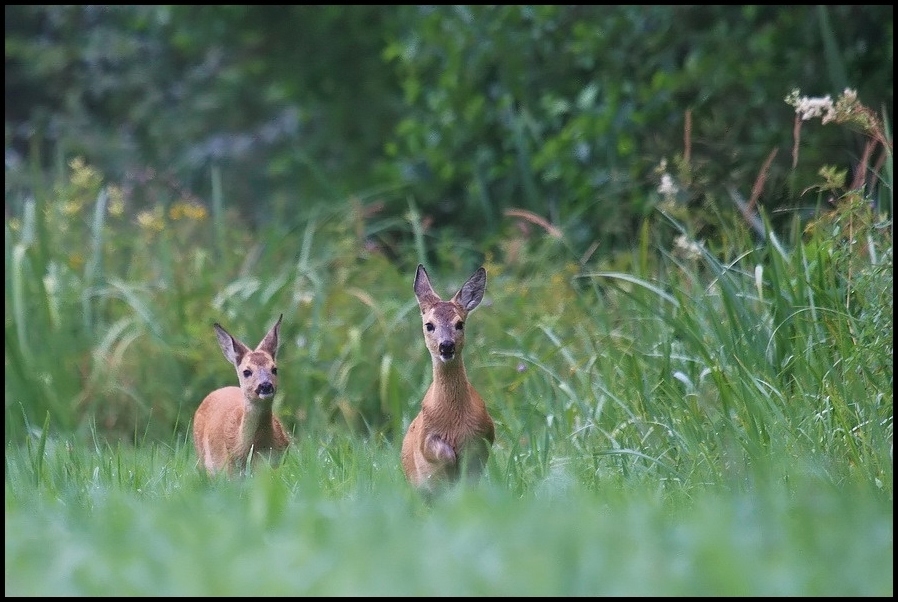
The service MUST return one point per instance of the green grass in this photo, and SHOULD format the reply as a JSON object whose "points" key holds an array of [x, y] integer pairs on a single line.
{"points": [[725, 429], [683, 419], [337, 519]]}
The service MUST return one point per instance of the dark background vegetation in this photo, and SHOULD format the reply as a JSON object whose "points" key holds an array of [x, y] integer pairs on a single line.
{"points": [[460, 111], [172, 166]]}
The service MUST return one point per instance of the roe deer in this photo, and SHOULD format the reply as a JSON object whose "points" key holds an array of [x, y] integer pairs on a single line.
{"points": [[452, 434], [233, 422]]}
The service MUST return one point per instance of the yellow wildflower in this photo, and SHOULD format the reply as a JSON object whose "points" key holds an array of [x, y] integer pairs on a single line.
{"points": [[151, 220], [84, 177], [116, 200], [187, 210], [72, 207]]}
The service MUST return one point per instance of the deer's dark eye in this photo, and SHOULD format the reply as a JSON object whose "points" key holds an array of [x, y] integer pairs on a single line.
{"points": [[459, 325], [429, 326], [274, 370], [247, 373]]}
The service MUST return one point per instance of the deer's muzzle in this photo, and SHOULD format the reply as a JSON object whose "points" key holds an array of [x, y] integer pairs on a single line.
{"points": [[447, 350]]}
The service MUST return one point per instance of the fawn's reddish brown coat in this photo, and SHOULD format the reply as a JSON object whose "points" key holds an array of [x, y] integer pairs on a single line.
{"points": [[453, 432], [233, 422]]}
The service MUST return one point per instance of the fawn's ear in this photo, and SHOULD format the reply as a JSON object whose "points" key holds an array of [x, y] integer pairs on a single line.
{"points": [[424, 291], [470, 294], [270, 343], [232, 348]]}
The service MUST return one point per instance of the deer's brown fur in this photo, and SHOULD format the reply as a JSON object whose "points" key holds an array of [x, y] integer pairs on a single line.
{"points": [[452, 434], [234, 422]]}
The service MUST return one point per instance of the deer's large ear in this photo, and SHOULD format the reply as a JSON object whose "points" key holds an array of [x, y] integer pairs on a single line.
{"points": [[233, 349], [470, 294], [423, 290], [270, 343]]}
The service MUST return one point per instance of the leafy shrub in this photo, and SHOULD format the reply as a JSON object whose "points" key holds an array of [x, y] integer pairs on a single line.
{"points": [[566, 111]]}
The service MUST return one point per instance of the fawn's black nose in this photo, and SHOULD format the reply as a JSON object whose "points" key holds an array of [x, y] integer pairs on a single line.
{"points": [[265, 389], [447, 349]]}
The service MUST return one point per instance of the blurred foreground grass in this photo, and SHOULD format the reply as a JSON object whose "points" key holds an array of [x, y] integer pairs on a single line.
{"points": [[144, 523]]}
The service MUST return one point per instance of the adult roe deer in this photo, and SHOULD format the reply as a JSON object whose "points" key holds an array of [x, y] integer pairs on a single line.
{"points": [[233, 422], [452, 434]]}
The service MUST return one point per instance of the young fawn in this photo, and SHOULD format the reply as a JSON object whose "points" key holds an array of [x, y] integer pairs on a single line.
{"points": [[233, 422], [453, 432]]}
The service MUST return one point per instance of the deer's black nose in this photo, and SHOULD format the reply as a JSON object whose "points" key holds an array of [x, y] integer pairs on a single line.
{"points": [[447, 348], [265, 389]]}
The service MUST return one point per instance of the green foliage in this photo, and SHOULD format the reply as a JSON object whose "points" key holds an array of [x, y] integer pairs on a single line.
{"points": [[566, 110], [282, 97], [712, 408], [700, 357], [563, 111]]}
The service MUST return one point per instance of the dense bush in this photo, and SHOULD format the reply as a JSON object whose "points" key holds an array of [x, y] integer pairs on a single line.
{"points": [[568, 110], [293, 103], [565, 111]]}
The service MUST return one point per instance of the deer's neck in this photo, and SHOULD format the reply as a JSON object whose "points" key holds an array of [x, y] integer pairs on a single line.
{"points": [[256, 428], [450, 383]]}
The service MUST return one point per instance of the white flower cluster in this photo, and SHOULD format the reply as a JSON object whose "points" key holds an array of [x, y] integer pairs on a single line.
{"points": [[687, 248], [811, 107], [668, 187]]}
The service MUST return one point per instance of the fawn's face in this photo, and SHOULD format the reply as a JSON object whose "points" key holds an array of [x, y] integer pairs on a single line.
{"points": [[444, 321], [257, 369], [444, 330], [258, 375]]}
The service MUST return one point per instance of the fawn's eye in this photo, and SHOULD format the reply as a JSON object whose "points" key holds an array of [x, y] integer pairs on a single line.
{"points": [[247, 373], [274, 370], [429, 326], [459, 325]]}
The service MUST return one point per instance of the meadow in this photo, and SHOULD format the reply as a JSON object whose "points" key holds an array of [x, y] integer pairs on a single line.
{"points": [[691, 417], [338, 519]]}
